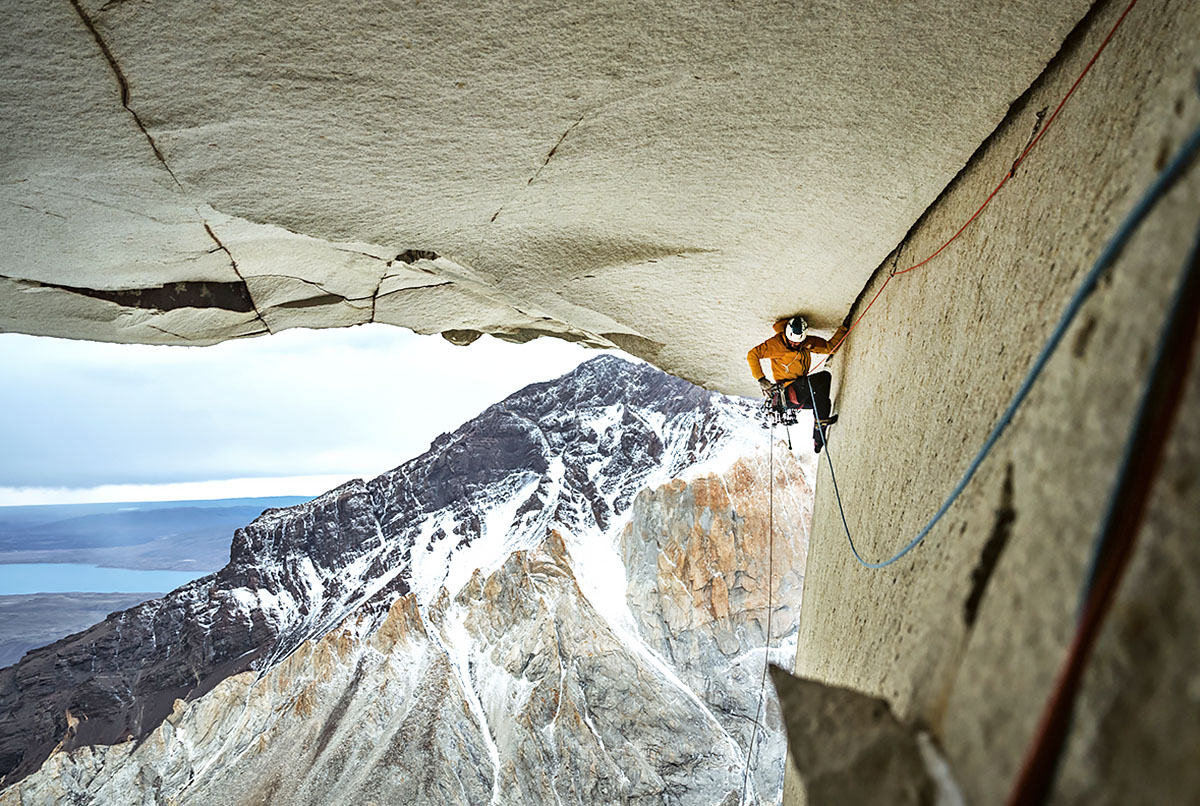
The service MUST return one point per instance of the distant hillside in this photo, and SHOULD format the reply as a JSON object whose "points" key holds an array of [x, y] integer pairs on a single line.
{"points": [[169, 535], [28, 622]]}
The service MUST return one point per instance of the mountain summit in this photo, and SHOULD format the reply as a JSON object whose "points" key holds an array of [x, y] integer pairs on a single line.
{"points": [[509, 578]]}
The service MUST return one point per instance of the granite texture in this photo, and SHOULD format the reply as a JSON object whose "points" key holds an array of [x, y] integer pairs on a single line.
{"points": [[967, 633], [609, 173]]}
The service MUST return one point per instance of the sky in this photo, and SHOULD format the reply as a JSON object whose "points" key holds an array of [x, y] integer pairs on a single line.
{"points": [[296, 413]]}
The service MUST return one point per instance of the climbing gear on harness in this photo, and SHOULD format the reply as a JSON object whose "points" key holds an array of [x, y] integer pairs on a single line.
{"points": [[782, 403], [797, 328], [775, 410]]}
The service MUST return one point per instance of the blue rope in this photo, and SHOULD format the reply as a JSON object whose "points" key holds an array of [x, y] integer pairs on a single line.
{"points": [[833, 476], [1187, 285], [1163, 183]]}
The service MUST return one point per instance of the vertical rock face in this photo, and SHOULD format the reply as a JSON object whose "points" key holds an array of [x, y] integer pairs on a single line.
{"points": [[700, 557], [454, 631]]}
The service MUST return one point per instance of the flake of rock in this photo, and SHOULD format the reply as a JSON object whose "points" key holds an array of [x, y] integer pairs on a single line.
{"points": [[617, 178], [850, 748]]}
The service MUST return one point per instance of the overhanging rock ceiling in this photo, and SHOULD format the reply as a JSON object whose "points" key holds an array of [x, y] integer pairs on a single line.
{"points": [[667, 177]]}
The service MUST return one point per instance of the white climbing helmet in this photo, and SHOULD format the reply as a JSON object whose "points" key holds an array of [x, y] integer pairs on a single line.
{"points": [[797, 326]]}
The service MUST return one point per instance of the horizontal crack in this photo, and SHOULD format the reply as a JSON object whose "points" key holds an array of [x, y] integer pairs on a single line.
{"points": [[232, 296], [313, 302], [168, 332], [414, 288], [38, 210], [413, 255], [313, 283], [359, 252]]}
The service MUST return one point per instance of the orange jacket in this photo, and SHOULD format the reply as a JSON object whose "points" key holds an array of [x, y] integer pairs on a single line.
{"points": [[787, 363]]}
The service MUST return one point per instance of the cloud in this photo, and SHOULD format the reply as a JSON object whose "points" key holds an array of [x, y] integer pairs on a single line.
{"points": [[262, 487], [350, 401]]}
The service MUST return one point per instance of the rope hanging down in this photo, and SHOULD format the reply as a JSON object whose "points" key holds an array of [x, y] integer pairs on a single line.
{"points": [[762, 685], [1162, 184], [1011, 171]]}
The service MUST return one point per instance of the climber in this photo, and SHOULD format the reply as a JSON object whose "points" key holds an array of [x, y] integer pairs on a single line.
{"points": [[790, 351]]}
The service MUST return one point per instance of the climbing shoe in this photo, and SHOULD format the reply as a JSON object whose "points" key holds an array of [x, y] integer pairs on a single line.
{"points": [[818, 440]]}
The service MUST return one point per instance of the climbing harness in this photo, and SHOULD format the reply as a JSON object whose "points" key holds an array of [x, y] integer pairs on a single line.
{"points": [[762, 686], [775, 409]]}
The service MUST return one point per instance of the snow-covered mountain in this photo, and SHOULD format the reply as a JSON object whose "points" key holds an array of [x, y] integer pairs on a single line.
{"points": [[564, 600]]}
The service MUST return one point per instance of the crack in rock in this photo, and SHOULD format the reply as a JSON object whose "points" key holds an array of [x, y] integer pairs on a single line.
{"points": [[549, 156], [378, 285], [411, 256], [123, 85], [1037, 125], [37, 210], [306, 281], [359, 252], [312, 302], [989, 557], [236, 270], [169, 332], [895, 266], [230, 296], [416, 288], [553, 150]]}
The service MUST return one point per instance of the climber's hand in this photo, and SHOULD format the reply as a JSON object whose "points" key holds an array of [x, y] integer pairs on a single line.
{"points": [[765, 385]]}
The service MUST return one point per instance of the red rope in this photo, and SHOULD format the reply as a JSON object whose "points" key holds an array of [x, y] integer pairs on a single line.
{"points": [[992, 195], [1163, 396], [850, 330]]}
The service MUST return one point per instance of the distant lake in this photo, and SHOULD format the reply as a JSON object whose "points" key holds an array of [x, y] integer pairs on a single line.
{"points": [[21, 578]]}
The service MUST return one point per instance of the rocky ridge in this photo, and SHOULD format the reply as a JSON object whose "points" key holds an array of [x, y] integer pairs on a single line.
{"points": [[481, 570], [699, 555]]}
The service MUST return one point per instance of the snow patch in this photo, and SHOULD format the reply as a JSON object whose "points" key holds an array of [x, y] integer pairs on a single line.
{"points": [[456, 641]]}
